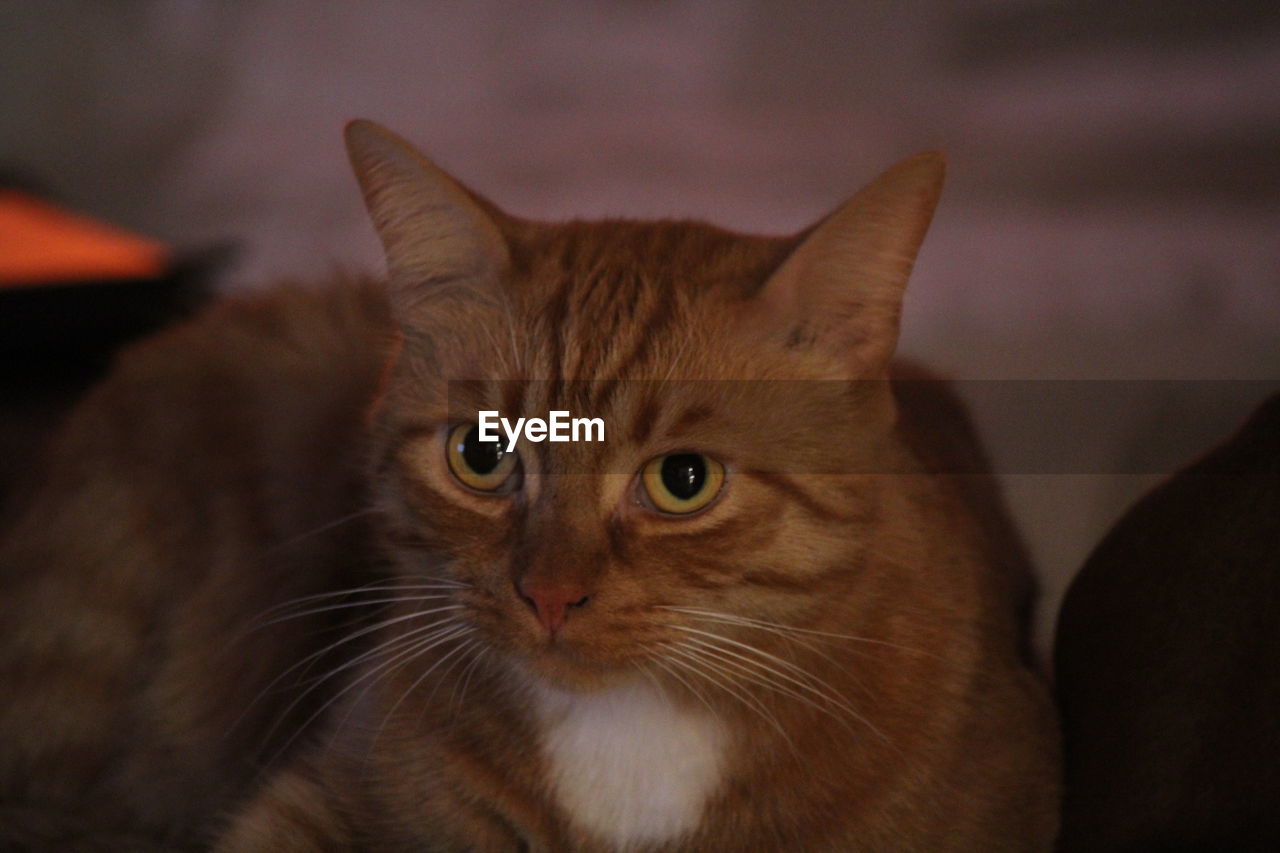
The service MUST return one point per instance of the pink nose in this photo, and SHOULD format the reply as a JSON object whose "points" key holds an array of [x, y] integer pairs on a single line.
{"points": [[552, 600]]}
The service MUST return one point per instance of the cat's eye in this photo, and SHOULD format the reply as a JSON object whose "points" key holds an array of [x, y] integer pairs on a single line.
{"points": [[681, 483], [486, 466]]}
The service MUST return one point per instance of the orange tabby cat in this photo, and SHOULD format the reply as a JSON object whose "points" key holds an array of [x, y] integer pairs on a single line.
{"points": [[685, 637]]}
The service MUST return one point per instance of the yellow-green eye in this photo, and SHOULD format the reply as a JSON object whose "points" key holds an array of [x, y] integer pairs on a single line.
{"points": [[681, 483], [486, 466]]}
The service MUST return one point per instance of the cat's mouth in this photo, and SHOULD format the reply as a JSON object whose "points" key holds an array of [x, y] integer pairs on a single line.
{"points": [[573, 666]]}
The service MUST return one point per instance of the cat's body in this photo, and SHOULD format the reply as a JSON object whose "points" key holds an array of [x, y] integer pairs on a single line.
{"points": [[175, 508], [810, 661]]}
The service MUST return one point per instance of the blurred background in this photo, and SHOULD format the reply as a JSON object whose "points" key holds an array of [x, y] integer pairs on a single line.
{"points": [[1111, 210]]}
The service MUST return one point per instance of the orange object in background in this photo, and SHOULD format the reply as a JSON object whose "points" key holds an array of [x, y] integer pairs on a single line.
{"points": [[41, 243]]}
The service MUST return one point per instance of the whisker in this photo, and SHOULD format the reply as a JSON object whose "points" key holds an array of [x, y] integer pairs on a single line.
{"points": [[324, 528], [347, 605], [436, 630], [671, 368], [372, 587], [381, 670], [657, 686], [777, 626], [786, 632], [443, 674], [395, 647], [778, 631], [422, 576], [392, 645], [743, 666], [697, 693], [730, 684], [465, 677], [714, 637], [385, 623], [314, 656], [700, 666], [828, 694], [461, 632]]}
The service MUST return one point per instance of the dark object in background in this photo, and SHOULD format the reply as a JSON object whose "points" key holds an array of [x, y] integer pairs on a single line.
{"points": [[1168, 663], [67, 303]]}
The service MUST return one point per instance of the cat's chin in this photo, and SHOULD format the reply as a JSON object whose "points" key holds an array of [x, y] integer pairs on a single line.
{"points": [[573, 674]]}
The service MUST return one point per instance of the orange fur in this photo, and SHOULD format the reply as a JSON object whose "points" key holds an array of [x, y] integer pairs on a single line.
{"points": [[877, 700]]}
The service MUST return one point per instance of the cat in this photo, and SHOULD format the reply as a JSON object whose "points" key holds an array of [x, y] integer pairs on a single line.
{"points": [[276, 593], [1166, 662]]}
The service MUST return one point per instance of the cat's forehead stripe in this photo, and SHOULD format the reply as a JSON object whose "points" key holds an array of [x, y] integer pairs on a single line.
{"points": [[608, 297]]}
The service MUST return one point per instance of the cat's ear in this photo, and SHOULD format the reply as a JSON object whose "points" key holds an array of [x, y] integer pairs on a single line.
{"points": [[841, 289], [432, 229]]}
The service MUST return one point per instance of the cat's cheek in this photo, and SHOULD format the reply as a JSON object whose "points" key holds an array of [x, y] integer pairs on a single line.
{"points": [[450, 511], [419, 462]]}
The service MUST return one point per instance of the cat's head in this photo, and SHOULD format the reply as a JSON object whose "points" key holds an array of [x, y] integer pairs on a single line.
{"points": [[582, 560]]}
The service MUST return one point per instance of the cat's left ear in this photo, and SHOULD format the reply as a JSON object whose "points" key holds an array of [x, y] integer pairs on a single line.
{"points": [[841, 289], [433, 229]]}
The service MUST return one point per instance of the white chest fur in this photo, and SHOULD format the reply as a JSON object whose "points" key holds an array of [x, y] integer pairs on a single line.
{"points": [[628, 765]]}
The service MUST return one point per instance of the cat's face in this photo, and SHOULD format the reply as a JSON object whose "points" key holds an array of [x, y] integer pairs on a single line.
{"points": [[584, 561]]}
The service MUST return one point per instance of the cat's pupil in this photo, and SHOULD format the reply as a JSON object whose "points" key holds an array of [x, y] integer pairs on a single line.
{"points": [[481, 456], [684, 474]]}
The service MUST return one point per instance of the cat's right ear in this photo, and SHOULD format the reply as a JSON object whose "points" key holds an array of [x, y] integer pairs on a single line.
{"points": [[432, 229], [841, 289]]}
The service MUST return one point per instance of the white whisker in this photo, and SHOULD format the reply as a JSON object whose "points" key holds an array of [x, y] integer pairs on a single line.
{"points": [[394, 647], [777, 626], [373, 587], [710, 669], [338, 522], [461, 632], [415, 649], [317, 655], [385, 623], [700, 665], [779, 631], [657, 686], [465, 677], [697, 693], [827, 694], [348, 605], [768, 679]]}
